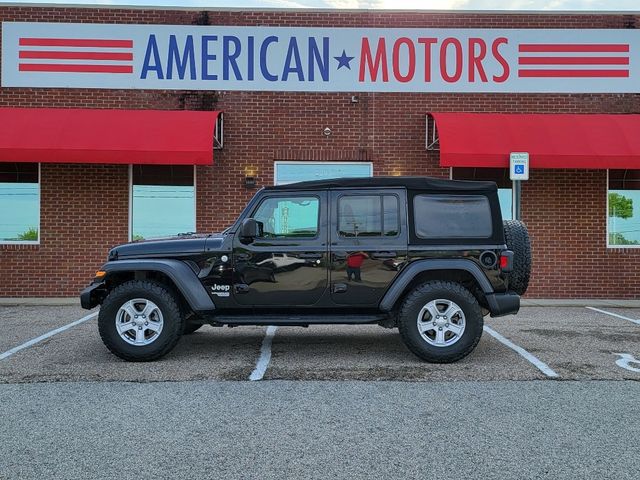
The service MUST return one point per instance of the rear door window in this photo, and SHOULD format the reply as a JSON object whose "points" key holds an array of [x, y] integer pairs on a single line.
{"points": [[368, 216]]}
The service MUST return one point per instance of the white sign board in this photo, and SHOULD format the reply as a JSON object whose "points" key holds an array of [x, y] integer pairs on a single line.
{"points": [[519, 166], [188, 57]]}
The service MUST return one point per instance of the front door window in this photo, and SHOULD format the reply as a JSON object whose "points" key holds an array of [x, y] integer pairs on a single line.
{"points": [[290, 217]]}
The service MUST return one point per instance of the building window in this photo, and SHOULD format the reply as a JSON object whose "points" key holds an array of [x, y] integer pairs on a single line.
{"points": [[623, 208], [290, 217], [368, 216], [162, 201], [498, 175], [19, 202], [291, 172]]}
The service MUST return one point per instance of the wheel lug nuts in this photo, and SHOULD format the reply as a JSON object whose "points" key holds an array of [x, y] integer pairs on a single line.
{"points": [[140, 328], [440, 328], [447, 325], [434, 324], [147, 323]]}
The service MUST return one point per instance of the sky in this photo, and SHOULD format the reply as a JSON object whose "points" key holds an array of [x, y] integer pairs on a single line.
{"points": [[605, 5]]}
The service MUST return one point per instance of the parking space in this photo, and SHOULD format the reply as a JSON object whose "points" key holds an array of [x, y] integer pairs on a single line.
{"points": [[575, 342], [20, 323], [373, 353], [578, 343]]}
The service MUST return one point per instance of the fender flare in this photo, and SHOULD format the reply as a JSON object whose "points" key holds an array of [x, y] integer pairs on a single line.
{"points": [[182, 276], [419, 266]]}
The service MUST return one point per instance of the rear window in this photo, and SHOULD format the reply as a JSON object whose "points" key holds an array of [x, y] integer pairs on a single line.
{"points": [[452, 216]]}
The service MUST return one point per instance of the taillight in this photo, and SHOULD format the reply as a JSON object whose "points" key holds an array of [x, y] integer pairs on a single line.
{"points": [[506, 261]]}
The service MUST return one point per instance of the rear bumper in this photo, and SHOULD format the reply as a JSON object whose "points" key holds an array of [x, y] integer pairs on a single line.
{"points": [[92, 296], [503, 303]]}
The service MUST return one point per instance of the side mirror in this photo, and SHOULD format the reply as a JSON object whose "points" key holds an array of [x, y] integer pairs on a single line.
{"points": [[250, 229]]}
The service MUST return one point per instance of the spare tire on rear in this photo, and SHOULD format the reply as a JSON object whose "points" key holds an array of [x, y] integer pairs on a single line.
{"points": [[516, 236]]}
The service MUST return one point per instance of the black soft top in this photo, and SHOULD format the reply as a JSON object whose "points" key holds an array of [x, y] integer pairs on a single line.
{"points": [[410, 183]]}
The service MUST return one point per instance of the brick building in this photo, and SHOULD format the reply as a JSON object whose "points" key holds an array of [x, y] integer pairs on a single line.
{"points": [[83, 205]]}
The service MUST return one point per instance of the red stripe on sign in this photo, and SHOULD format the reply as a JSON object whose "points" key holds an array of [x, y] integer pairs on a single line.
{"points": [[573, 73], [569, 47], [52, 67], [76, 55], [75, 42], [573, 60]]}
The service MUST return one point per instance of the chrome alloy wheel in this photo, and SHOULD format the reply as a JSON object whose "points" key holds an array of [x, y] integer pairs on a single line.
{"points": [[441, 323], [139, 322]]}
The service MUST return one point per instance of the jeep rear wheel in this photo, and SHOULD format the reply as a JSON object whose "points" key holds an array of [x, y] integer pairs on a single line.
{"points": [[516, 237], [140, 321], [441, 322]]}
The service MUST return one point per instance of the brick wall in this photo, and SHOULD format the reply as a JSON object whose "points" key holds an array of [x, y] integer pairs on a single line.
{"points": [[84, 208]]}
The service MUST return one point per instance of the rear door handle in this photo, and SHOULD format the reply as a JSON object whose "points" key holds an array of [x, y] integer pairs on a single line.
{"points": [[310, 255], [375, 255], [242, 256]]}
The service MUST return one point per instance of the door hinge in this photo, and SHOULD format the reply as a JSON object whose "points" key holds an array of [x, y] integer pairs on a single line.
{"points": [[241, 288]]}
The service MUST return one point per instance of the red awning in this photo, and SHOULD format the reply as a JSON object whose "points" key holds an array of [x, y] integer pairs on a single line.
{"points": [[59, 135], [552, 140]]}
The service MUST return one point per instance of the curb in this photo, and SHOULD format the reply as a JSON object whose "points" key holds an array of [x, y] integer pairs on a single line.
{"points": [[40, 302]]}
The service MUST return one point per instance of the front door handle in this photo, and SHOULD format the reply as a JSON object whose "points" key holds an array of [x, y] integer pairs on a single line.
{"points": [[242, 256], [375, 255], [310, 255]]}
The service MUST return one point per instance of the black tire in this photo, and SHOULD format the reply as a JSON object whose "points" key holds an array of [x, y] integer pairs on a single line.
{"points": [[516, 236], [190, 327], [173, 320], [440, 290]]}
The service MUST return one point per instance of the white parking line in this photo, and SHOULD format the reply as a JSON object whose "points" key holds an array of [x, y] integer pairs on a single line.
{"points": [[539, 364], [637, 322], [8, 353], [265, 355]]}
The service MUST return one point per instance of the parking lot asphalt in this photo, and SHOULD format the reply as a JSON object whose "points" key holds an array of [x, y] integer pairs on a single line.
{"points": [[575, 342], [333, 401], [320, 430]]}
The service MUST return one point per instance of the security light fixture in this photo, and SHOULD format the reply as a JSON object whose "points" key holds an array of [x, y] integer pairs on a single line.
{"points": [[250, 182]]}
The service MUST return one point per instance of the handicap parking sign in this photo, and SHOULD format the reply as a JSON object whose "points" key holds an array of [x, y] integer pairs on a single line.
{"points": [[519, 166]]}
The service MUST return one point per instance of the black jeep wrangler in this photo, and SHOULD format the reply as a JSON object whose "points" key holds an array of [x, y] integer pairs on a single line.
{"points": [[428, 256]]}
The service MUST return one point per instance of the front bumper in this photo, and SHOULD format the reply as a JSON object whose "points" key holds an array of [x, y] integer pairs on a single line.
{"points": [[93, 295], [503, 303]]}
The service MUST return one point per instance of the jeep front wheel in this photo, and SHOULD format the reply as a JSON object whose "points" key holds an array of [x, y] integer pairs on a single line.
{"points": [[440, 322], [140, 321]]}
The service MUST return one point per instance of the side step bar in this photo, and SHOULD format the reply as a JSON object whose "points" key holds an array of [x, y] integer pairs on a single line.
{"points": [[296, 320]]}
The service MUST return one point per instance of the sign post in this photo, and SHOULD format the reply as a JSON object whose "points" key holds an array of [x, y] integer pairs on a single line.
{"points": [[518, 171]]}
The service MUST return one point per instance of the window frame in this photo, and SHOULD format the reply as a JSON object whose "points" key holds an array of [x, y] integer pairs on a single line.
{"points": [[31, 242], [285, 196], [195, 201], [606, 216], [277, 163], [382, 225]]}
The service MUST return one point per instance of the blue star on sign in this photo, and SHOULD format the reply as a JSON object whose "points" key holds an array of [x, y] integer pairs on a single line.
{"points": [[343, 60]]}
